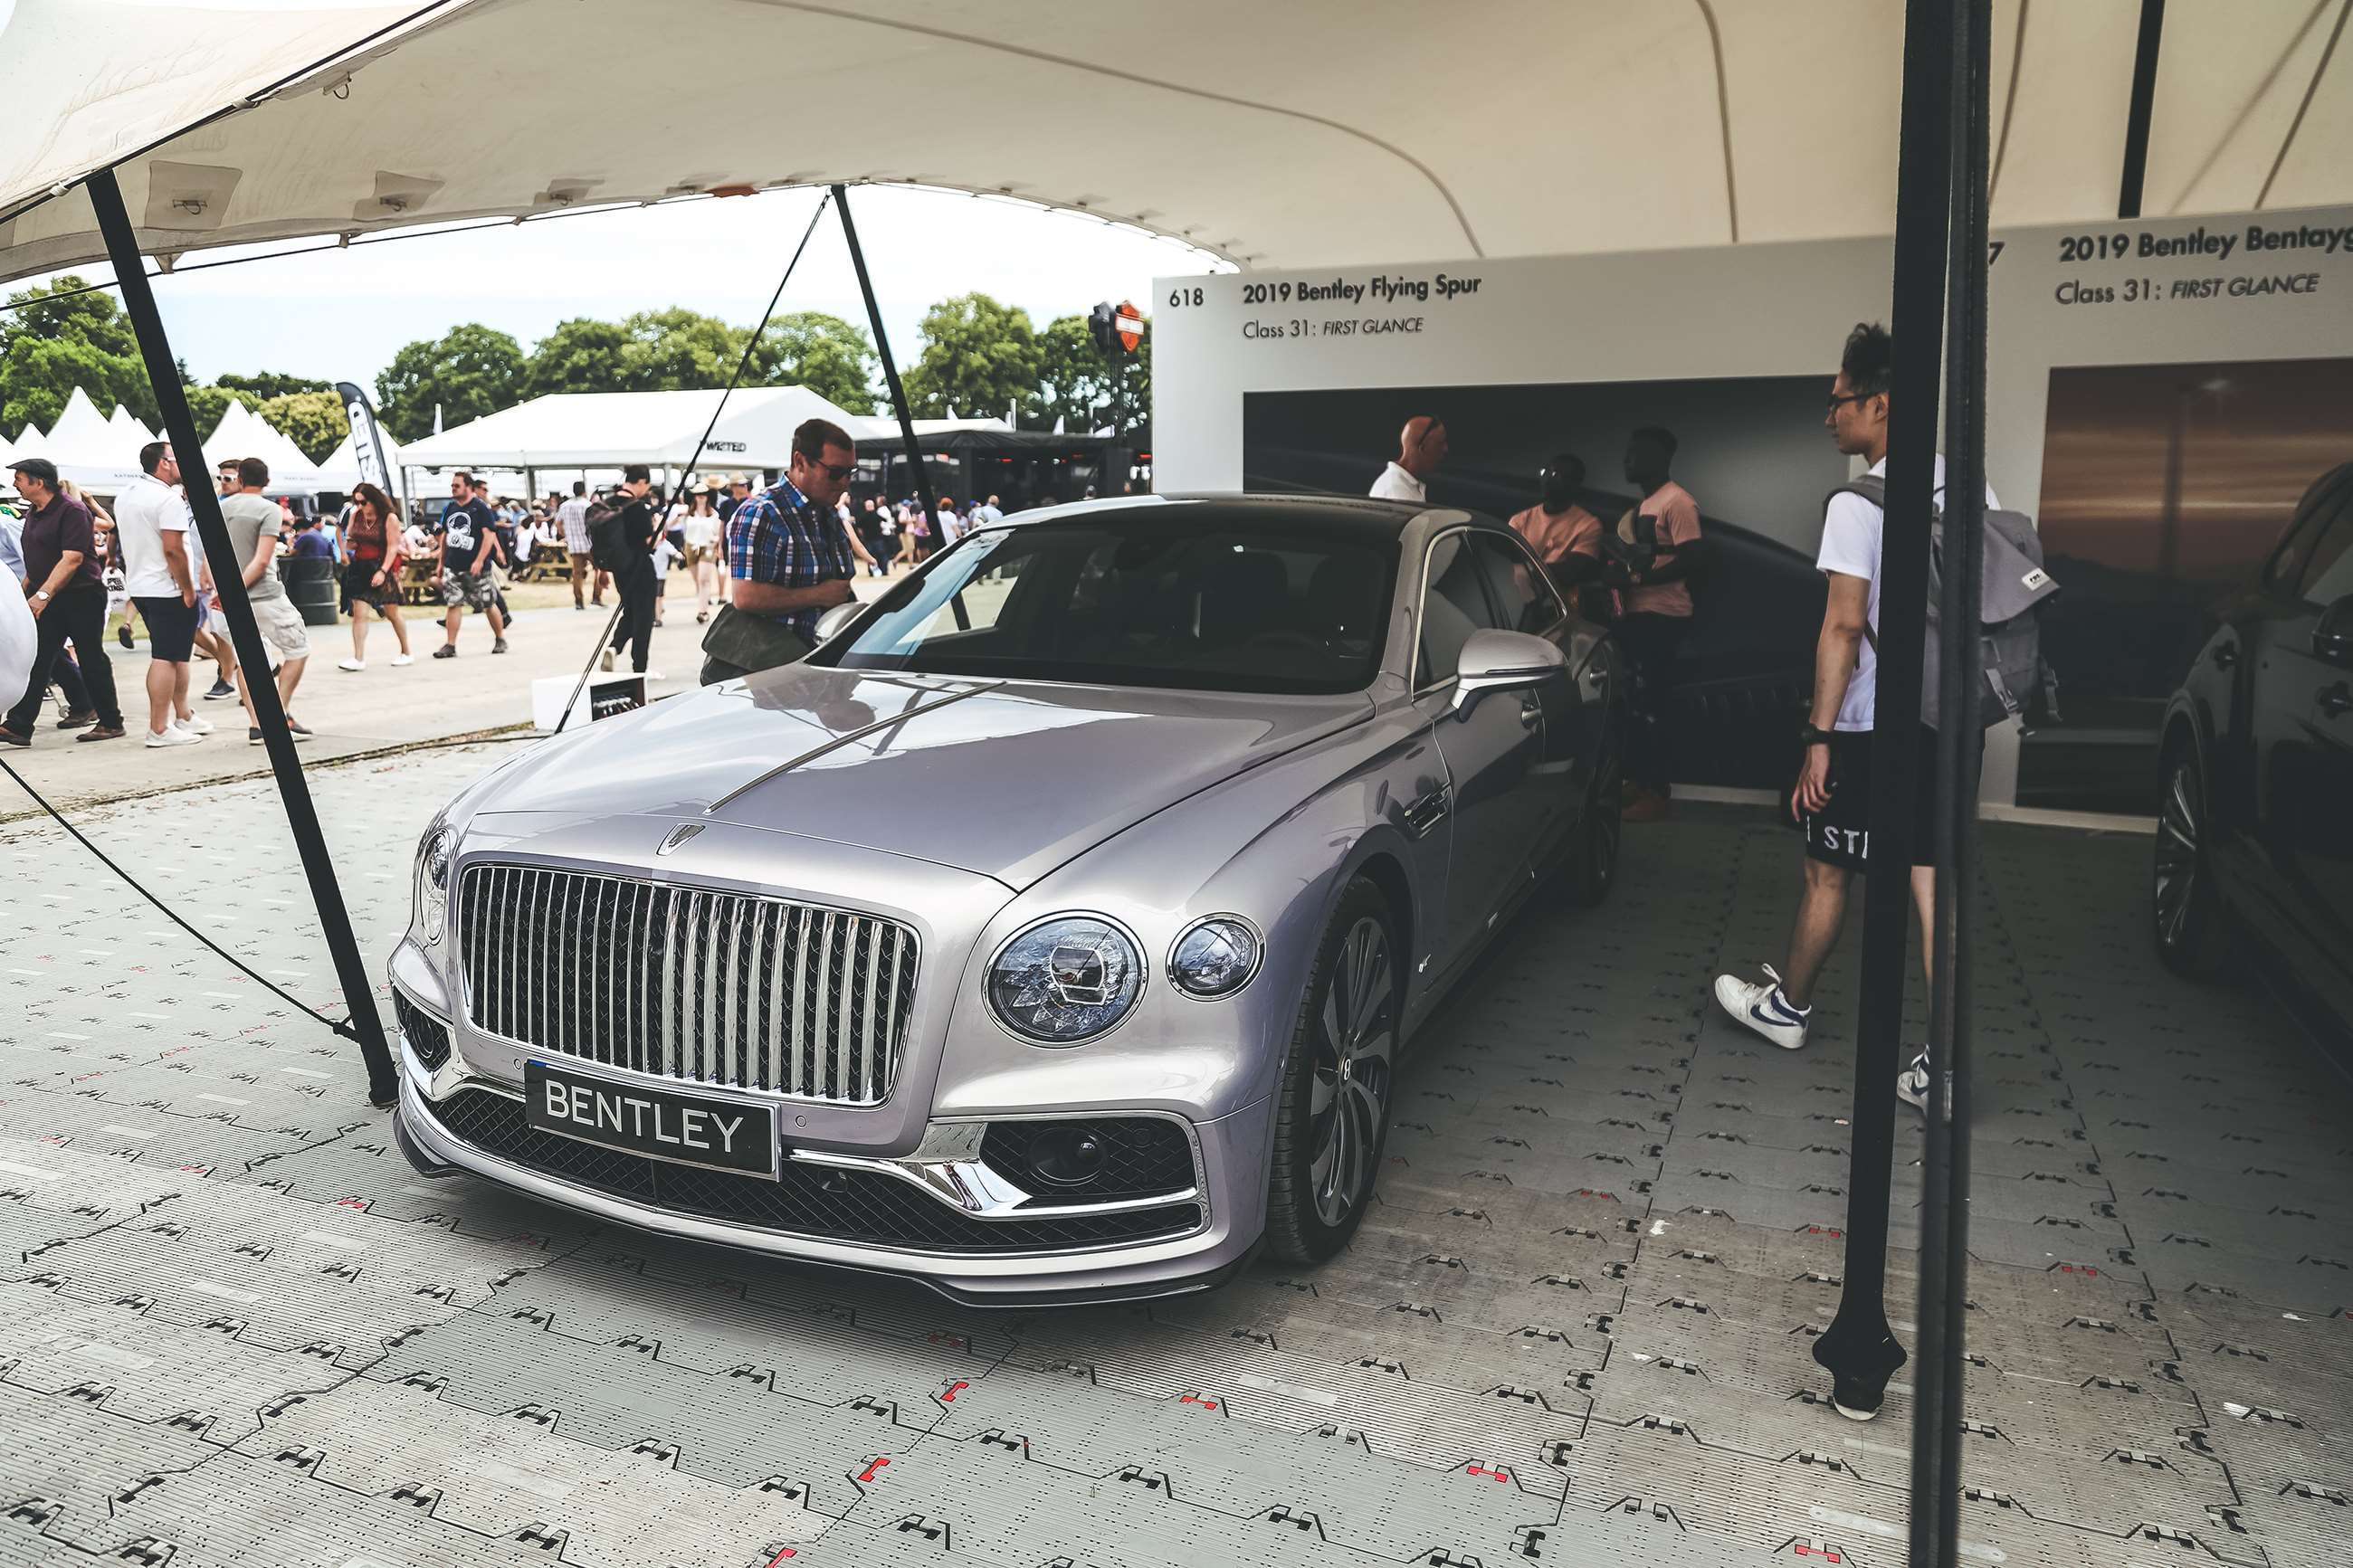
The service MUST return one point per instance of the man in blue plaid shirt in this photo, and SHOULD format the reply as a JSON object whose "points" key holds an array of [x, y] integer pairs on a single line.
{"points": [[788, 557]]}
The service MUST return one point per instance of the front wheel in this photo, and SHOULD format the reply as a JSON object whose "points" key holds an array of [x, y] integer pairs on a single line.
{"points": [[1336, 1084], [2191, 926]]}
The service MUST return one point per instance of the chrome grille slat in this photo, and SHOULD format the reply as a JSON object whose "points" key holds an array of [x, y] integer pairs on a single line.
{"points": [[699, 984]]}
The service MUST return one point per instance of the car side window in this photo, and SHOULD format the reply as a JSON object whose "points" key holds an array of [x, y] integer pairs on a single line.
{"points": [[1518, 584], [1453, 604], [2287, 569], [2328, 571]]}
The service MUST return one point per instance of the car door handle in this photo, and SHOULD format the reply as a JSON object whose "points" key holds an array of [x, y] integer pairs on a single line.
{"points": [[1531, 712], [2225, 657], [2336, 699]]}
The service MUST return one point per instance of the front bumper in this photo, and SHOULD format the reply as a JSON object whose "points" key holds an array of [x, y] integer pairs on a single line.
{"points": [[870, 1216]]}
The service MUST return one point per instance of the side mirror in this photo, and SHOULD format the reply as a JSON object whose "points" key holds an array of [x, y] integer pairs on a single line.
{"points": [[831, 623], [1502, 661], [2332, 635]]}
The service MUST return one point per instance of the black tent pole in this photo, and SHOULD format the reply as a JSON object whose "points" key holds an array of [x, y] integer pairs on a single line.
{"points": [[1942, 1313], [364, 1025], [890, 368], [1858, 1348]]}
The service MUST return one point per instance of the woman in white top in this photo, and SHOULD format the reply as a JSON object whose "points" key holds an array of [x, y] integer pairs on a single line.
{"points": [[700, 527]]}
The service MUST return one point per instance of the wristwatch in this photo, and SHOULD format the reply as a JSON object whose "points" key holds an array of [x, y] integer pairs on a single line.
{"points": [[1810, 736], [42, 594]]}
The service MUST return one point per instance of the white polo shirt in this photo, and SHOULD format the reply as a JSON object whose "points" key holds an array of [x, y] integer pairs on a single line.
{"points": [[145, 512], [1396, 484]]}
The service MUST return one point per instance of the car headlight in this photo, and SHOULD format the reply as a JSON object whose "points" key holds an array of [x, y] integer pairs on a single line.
{"points": [[1214, 957], [1066, 980], [433, 852]]}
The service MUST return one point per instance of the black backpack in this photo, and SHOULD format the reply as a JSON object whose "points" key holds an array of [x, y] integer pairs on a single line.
{"points": [[2010, 595], [608, 550]]}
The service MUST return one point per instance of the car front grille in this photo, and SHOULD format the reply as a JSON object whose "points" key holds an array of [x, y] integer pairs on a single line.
{"points": [[865, 1208], [690, 983]]}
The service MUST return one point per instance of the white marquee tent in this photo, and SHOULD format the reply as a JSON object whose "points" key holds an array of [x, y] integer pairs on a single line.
{"points": [[1310, 132], [87, 447], [245, 434], [606, 429]]}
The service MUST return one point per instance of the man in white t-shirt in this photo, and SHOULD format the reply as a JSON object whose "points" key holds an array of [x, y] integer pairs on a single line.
{"points": [[1422, 447], [150, 529], [1832, 800]]}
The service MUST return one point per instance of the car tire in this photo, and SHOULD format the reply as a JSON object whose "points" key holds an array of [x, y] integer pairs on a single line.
{"points": [[2188, 918], [1591, 868], [1338, 1079]]}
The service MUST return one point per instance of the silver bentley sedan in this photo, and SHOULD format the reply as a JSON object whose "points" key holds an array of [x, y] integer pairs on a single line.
{"points": [[1053, 932]]}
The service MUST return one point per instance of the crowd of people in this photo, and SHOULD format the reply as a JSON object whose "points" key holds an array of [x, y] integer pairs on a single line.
{"points": [[81, 566]]}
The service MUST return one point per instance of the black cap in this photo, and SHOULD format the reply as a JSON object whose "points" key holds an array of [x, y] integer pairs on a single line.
{"points": [[40, 468]]}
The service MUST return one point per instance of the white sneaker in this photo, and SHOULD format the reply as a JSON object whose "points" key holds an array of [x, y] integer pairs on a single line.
{"points": [[400, 658], [351, 664], [194, 724], [172, 735], [1764, 1009], [1912, 1086]]}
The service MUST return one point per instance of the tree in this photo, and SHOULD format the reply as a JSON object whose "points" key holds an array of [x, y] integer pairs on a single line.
{"points": [[822, 352], [679, 347], [265, 384], [1086, 388], [978, 357], [582, 354], [469, 371], [314, 421], [51, 345]]}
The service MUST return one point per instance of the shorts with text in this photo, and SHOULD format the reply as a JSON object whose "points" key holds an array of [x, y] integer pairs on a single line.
{"points": [[1840, 834]]}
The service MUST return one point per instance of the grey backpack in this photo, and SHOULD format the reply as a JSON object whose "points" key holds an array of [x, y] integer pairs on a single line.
{"points": [[2009, 600]]}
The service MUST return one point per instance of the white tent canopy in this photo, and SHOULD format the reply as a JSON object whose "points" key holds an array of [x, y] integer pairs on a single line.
{"points": [[606, 429], [87, 447], [1310, 132], [245, 434]]}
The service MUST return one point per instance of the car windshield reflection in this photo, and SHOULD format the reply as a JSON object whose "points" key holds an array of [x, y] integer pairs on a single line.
{"points": [[1138, 603]]}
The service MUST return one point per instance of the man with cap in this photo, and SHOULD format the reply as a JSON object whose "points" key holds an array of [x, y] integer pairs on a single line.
{"points": [[68, 598]]}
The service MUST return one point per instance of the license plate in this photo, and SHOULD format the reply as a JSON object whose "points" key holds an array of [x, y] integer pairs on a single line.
{"points": [[662, 1124]]}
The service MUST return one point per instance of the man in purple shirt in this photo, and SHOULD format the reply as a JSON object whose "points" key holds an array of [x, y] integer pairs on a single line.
{"points": [[68, 598]]}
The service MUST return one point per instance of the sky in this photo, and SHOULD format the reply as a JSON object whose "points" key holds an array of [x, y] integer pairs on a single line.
{"points": [[342, 314]]}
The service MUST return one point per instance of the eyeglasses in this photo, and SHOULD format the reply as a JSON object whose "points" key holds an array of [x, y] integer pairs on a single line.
{"points": [[1851, 397]]}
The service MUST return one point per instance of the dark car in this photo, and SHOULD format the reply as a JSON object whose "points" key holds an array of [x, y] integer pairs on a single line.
{"points": [[2255, 825]]}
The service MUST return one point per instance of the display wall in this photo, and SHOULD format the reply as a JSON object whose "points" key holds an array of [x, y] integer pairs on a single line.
{"points": [[2159, 394]]}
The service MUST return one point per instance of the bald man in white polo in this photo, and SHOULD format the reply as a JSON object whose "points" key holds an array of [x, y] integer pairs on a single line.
{"points": [[1422, 447]]}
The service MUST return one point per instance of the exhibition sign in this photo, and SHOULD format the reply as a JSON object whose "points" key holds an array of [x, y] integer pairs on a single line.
{"points": [[2159, 396]]}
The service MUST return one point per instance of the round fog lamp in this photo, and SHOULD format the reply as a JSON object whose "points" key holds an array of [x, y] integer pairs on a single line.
{"points": [[1214, 957], [1066, 1156]]}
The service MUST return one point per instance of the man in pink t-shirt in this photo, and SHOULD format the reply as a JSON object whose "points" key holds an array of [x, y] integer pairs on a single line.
{"points": [[1565, 538], [1653, 552]]}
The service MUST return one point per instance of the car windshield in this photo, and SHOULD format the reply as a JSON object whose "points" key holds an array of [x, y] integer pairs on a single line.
{"points": [[1143, 601]]}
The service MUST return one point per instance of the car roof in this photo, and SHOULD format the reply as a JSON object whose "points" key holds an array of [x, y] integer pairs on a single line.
{"points": [[1378, 519]]}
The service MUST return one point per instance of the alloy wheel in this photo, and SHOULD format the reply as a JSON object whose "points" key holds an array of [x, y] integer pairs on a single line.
{"points": [[1356, 1048], [2178, 823]]}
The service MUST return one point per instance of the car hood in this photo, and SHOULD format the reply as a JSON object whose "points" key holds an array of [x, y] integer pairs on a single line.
{"points": [[1005, 779]]}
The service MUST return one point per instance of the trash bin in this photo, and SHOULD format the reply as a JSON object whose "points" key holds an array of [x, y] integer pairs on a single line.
{"points": [[311, 587]]}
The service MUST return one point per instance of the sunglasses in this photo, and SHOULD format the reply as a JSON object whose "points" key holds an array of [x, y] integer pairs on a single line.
{"points": [[838, 472]]}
